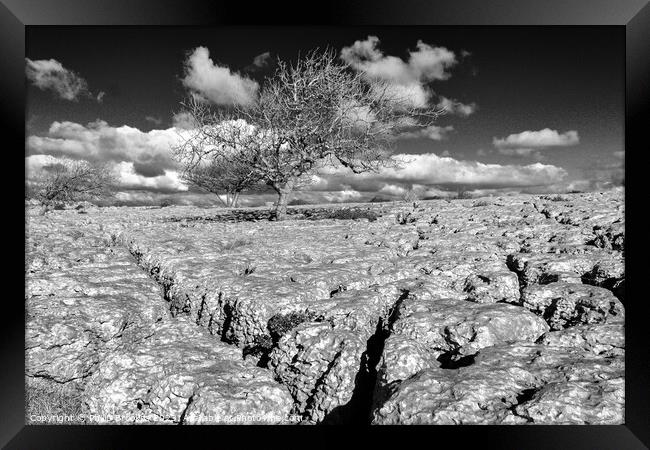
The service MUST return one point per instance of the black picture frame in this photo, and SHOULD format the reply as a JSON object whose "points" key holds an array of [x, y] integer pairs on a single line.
{"points": [[632, 16]]}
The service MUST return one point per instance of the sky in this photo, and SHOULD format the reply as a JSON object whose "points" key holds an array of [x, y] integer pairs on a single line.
{"points": [[532, 109]]}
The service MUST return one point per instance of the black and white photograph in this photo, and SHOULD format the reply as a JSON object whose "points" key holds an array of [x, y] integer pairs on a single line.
{"points": [[313, 225]]}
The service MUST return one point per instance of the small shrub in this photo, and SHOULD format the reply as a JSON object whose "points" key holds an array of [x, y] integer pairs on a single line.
{"points": [[76, 235], [260, 348], [71, 181], [481, 203], [405, 218], [112, 241], [248, 269], [279, 324], [410, 196], [165, 203]]}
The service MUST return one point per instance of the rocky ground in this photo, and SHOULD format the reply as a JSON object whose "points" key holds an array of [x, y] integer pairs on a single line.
{"points": [[505, 310]]}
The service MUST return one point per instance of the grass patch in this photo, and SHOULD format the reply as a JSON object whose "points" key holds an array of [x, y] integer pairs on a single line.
{"points": [[49, 400], [278, 326]]}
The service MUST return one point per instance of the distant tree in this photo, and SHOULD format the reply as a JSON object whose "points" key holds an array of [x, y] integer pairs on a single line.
{"points": [[463, 193], [164, 203], [313, 113], [220, 176], [410, 196], [72, 181]]}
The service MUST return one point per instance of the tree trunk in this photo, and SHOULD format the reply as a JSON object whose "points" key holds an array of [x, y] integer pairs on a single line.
{"points": [[283, 191], [220, 199], [235, 199]]}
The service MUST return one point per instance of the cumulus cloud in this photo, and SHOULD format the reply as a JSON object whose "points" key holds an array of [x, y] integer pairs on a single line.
{"points": [[149, 154], [215, 83], [36, 163], [432, 132], [457, 108], [407, 78], [262, 60], [393, 190], [128, 177], [414, 94], [126, 174], [431, 63], [526, 142], [183, 121], [154, 120], [523, 152], [425, 64], [429, 169], [49, 74]]}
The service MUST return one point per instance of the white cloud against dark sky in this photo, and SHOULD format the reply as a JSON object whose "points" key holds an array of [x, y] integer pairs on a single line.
{"points": [[515, 116], [49, 74], [408, 78], [218, 84], [538, 139]]}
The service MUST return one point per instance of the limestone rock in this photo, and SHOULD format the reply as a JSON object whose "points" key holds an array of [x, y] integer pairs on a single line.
{"points": [[181, 374], [512, 384], [602, 339], [214, 315], [568, 304]]}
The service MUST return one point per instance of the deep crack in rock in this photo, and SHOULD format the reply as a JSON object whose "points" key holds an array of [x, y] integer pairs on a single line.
{"points": [[358, 409]]}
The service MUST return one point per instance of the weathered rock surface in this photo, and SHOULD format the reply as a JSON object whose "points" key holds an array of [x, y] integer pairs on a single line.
{"points": [[449, 325], [512, 384], [504, 310], [79, 310], [181, 375], [601, 339], [566, 304]]}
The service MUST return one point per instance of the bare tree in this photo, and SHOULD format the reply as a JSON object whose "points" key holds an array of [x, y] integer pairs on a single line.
{"points": [[214, 156], [411, 196], [314, 113], [219, 176], [72, 181]]}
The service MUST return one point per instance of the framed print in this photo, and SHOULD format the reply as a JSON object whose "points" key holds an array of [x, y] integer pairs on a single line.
{"points": [[366, 214]]}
